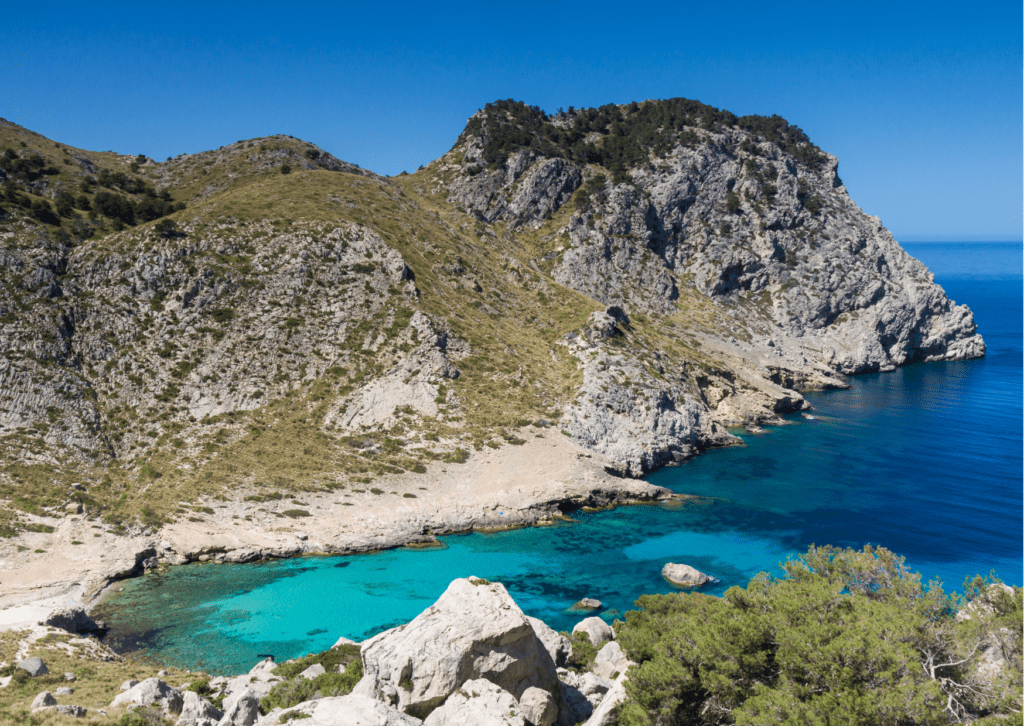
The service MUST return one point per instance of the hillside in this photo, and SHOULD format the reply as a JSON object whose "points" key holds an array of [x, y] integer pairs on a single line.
{"points": [[264, 319]]}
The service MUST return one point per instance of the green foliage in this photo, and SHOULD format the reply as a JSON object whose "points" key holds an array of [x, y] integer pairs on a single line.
{"points": [[629, 133], [583, 653], [843, 632], [329, 659], [298, 689], [732, 202]]}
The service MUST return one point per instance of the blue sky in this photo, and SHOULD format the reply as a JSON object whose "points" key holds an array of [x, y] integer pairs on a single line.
{"points": [[921, 102]]}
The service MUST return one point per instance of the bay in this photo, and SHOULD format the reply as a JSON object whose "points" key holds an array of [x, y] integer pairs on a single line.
{"points": [[926, 461]]}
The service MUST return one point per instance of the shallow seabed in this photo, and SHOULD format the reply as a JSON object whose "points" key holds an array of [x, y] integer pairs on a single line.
{"points": [[925, 461]]}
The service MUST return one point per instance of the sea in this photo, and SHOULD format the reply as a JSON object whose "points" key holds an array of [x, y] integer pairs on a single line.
{"points": [[925, 461]]}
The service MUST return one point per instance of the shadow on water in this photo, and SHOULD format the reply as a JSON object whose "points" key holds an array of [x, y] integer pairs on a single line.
{"points": [[925, 461]]}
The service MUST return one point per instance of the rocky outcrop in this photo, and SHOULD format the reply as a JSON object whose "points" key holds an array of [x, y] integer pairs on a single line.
{"points": [[197, 711], [152, 692], [477, 703], [351, 710], [684, 575], [474, 630], [71, 619], [596, 630]]}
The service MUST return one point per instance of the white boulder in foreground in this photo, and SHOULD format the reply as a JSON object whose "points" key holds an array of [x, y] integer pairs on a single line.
{"points": [[478, 703], [197, 711], [350, 710], [475, 630], [685, 576]]}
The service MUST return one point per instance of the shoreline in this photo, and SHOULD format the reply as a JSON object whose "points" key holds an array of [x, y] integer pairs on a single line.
{"points": [[509, 488]]}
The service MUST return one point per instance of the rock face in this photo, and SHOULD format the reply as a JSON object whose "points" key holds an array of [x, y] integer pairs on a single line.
{"points": [[557, 645], [241, 709], [73, 620], [351, 710], [197, 711], [477, 703], [684, 575], [474, 630], [152, 692]]}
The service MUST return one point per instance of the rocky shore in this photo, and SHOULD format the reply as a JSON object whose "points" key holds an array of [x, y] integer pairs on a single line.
{"points": [[515, 486]]}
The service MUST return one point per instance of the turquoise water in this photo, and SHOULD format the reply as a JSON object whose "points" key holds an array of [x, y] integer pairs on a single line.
{"points": [[926, 461]]}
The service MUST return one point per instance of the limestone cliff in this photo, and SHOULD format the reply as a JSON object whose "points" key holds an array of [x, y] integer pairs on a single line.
{"points": [[268, 317]]}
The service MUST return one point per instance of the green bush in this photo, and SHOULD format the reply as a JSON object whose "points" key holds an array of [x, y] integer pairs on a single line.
{"points": [[732, 202], [845, 633], [329, 659], [299, 689]]}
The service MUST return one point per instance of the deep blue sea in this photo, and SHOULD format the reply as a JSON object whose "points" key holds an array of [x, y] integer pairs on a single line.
{"points": [[926, 461]]}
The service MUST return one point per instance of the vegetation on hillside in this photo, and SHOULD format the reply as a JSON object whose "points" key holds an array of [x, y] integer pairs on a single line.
{"points": [[627, 136], [843, 634]]}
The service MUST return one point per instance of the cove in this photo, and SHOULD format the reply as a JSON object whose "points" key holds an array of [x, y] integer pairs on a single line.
{"points": [[925, 460]]}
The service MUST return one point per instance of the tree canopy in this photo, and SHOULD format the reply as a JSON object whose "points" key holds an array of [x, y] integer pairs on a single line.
{"points": [[844, 636]]}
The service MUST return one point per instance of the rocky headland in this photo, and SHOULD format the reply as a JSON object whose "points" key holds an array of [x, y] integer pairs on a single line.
{"points": [[262, 351]]}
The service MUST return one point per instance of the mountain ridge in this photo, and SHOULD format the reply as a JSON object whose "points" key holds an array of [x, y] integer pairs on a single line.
{"points": [[287, 322]]}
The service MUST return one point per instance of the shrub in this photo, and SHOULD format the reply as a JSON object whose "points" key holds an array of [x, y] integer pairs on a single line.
{"points": [[298, 689], [167, 228], [844, 632], [286, 169], [732, 202], [296, 513]]}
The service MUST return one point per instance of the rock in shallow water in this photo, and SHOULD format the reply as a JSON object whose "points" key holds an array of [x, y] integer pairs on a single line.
{"points": [[685, 576]]}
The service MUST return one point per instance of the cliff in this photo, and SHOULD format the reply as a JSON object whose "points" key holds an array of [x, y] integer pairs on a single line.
{"points": [[264, 319]]}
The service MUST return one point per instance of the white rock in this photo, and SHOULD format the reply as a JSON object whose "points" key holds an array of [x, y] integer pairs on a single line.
{"points": [[684, 575], [196, 709], [313, 671], [350, 710], [474, 630], [151, 692], [344, 641], [538, 707], [604, 715], [587, 603], [557, 645], [130, 683], [610, 661], [64, 691], [241, 709], [596, 630], [594, 687], [260, 680], [477, 703], [43, 700]]}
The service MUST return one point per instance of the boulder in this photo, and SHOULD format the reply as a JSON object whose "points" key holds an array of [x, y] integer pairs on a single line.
{"points": [[587, 603], [130, 683], [70, 677], [478, 703], [197, 711], [580, 708], [474, 630], [64, 691], [260, 680], [242, 708], [71, 619], [151, 692], [685, 576], [69, 710], [593, 687], [34, 667], [350, 710], [538, 707], [43, 700], [610, 662], [557, 645], [313, 671], [604, 715], [596, 630]]}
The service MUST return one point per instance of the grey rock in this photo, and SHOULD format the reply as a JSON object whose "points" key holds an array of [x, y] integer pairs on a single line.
{"points": [[610, 662], [195, 709], [557, 645], [43, 700], [70, 677], [151, 692], [130, 683], [587, 603], [596, 630], [474, 630], [593, 687], [684, 575], [344, 641], [71, 619], [604, 714], [64, 691], [350, 710], [313, 671], [34, 667], [538, 707], [71, 710], [241, 709], [477, 703]]}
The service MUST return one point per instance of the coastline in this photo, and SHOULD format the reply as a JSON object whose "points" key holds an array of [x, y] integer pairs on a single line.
{"points": [[507, 488]]}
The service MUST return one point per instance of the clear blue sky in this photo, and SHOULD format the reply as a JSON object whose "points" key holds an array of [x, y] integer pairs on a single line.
{"points": [[921, 102]]}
